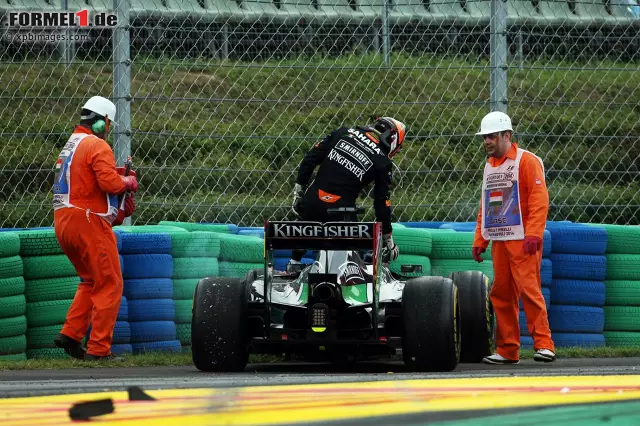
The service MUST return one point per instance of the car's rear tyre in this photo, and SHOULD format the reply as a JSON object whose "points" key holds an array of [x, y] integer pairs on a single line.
{"points": [[219, 330], [477, 317], [431, 332]]}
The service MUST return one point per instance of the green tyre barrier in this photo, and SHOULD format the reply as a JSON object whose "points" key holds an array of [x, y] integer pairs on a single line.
{"points": [[189, 226], [195, 244], [41, 314], [183, 311], [194, 267], [183, 333], [39, 243], [455, 245], [241, 248], [621, 239], [12, 286], [48, 353], [14, 357], [14, 326], [150, 229], [184, 288], [13, 345], [9, 244], [50, 266], [237, 269], [12, 266], [413, 241], [42, 337], [443, 267], [12, 306], [622, 318], [623, 267], [622, 293], [411, 259], [48, 289], [622, 339]]}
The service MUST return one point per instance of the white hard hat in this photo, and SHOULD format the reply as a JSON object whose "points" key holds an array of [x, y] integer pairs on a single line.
{"points": [[494, 122], [101, 106]]}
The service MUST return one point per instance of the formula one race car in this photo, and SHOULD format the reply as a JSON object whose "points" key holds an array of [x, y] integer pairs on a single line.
{"points": [[340, 305]]}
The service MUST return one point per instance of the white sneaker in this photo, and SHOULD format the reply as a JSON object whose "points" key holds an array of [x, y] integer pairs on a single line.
{"points": [[499, 359], [544, 355]]}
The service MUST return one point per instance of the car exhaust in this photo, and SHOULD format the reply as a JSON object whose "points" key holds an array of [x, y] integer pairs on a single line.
{"points": [[325, 291]]}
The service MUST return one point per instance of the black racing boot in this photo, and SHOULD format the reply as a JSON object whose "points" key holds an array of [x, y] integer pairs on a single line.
{"points": [[72, 347], [110, 357]]}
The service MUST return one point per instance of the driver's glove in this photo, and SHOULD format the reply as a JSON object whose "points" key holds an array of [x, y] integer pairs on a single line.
{"points": [[390, 250], [298, 193]]}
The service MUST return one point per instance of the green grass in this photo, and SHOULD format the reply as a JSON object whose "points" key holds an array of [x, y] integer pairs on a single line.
{"points": [[159, 359], [221, 140]]}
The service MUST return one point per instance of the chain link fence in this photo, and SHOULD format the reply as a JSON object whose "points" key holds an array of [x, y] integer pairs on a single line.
{"points": [[218, 100]]}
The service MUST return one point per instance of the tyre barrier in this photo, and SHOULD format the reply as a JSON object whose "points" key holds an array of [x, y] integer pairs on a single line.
{"points": [[590, 277], [148, 286], [13, 322], [576, 313]]}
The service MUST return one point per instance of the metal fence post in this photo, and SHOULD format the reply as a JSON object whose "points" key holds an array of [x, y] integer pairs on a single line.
{"points": [[122, 84], [67, 45], [386, 33], [498, 45]]}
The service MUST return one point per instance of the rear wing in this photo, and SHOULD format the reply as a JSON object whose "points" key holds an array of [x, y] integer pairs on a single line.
{"points": [[322, 236]]}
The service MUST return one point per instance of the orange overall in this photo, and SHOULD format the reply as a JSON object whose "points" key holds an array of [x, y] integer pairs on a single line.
{"points": [[516, 273], [90, 244]]}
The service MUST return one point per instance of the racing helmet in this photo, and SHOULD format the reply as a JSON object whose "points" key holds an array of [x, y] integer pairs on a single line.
{"points": [[392, 134]]}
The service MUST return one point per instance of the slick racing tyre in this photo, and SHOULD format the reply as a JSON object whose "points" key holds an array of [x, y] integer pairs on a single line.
{"points": [[431, 328], [477, 317], [219, 329]]}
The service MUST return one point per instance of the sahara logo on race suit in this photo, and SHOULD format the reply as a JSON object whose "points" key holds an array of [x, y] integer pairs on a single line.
{"points": [[285, 230], [364, 139]]}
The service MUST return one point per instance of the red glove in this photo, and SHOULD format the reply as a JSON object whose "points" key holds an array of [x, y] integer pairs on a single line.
{"points": [[532, 245], [120, 171], [129, 208], [477, 251], [130, 183], [129, 205]]}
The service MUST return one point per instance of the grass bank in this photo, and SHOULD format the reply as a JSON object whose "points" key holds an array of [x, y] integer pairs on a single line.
{"points": [[159, 359], [221, 140]]}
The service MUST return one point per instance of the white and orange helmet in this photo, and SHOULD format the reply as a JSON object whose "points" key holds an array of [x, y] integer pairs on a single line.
{"points": [[392, 133]]}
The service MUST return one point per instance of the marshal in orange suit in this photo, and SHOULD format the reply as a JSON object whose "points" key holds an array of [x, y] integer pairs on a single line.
{"points": [[86, 191], [513, 215]]}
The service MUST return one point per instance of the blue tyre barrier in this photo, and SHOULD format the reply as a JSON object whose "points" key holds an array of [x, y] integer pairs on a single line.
{"points": [[143, 243], [150, 288], [152, 310], [579, 266], [578, 292], [152, 331], [147, 266], [579, 239], [576, 319]]}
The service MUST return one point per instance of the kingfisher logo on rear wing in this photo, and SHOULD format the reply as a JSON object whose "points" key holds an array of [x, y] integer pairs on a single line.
{"points": [[317, 235]]}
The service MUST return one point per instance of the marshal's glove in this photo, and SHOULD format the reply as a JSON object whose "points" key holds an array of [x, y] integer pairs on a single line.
{"points": [[298, 193], [390, 250]]}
